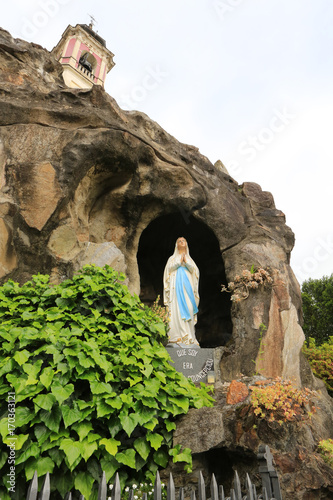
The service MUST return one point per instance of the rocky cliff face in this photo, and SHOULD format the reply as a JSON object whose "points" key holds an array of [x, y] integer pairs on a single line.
{"points": [[83, 181]]}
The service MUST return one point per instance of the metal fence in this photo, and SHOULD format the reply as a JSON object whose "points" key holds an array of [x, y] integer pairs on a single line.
{"points": [[270, 486]]}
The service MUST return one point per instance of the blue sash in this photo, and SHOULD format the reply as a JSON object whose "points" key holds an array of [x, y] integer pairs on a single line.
{"points": [[183, 284]]}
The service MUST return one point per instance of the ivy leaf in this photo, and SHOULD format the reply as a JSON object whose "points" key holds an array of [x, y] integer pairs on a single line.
{"points": [[46, 376], [42, 465], [60, 392], [161, 458], [18, 441], [64, 483], [56, 455], [84, 483], [100, 388], [23, 416], [142, 447], [152, 424], [88, 449], [45, 401], [155, 440], [72, 450], [127, 458], [129, 422], [70, 415], [33, 450], [22, 356], [170, 426], [103, 408], [110, 466], [83, 429], [111, 445], [182, 402], [51, 418], [41, 433]]}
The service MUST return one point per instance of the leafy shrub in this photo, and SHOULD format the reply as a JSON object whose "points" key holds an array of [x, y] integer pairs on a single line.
{"points": [[317, 298], [280, 401], [325, 448], [321, 361], [93, 386]]}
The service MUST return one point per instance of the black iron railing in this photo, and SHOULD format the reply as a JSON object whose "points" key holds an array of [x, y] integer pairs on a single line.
{"points": [[270, 486]]}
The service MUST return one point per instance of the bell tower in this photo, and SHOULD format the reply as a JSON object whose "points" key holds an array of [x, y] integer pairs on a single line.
{"points": [[84, 56]]}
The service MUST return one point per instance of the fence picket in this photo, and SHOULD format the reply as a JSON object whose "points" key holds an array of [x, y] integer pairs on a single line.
{"points": [[116, 490], [249, 488], [214, 494], [201, 487], [130, 494], [158, 487], [45, 491], [33, 488], [171, 492], [264, 494], [221, 493], [237, 487], [102, 490], [270, 486]]}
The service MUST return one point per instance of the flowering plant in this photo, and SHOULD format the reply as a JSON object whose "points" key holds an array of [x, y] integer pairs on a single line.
{"points": [[280, 401], [161, 311], [136, 491], [248, 280]]}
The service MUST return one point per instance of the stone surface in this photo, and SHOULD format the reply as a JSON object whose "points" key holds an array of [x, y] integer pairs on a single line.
{"points": [[230, 432], [205, 432], [101, 254], [237, 392], [193, 363], [37, 193], [8, 259]]}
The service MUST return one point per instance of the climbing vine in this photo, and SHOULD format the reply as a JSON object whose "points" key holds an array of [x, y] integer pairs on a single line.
{"points": [[92, 385]]}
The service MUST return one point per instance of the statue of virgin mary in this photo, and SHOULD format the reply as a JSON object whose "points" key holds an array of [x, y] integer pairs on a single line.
{"points": [[181, 295]]}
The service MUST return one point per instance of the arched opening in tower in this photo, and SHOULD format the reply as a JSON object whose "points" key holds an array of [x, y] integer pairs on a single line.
{"points": [[157, 243]]}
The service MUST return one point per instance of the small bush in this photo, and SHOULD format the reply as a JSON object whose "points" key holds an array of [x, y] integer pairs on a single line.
{"points": [[325, 448], [281, 402], [321, 361]]}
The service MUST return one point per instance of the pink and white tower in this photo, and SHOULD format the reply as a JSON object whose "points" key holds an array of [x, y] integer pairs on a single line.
{"points": [[84, 56]]}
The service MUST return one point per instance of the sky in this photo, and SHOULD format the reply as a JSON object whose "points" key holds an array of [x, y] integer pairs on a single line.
{"points": [[248, 82]]}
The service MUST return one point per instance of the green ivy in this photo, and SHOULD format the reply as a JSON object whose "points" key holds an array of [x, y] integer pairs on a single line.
{"points": [[94, 389]]}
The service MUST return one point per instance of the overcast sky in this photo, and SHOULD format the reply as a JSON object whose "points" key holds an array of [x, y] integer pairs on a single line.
{"points": [[249, 82]]}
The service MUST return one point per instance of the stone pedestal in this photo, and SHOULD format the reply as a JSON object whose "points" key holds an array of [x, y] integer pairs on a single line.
{"points": [[195, 363]]}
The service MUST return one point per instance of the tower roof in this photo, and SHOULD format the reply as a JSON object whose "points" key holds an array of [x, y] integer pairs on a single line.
{"points": [[93, 34]]}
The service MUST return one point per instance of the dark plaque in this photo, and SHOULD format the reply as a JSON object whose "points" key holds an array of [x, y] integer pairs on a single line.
{"points": [[193, 363]]}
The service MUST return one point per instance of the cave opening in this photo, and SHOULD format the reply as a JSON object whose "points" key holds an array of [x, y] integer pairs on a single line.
{"points": [[223, 462], [157, 242]]}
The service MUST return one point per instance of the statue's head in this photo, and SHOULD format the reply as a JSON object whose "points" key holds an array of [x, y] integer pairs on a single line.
{"points": [[181, 244]]}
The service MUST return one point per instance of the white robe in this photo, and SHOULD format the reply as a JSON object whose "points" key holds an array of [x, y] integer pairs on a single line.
{"points": [[180, 330]]}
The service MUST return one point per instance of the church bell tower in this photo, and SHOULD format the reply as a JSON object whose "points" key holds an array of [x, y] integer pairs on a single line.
{"points": [[84, 56]]}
